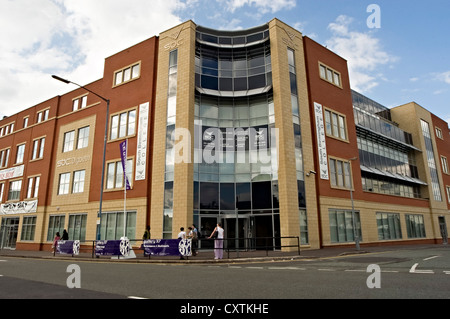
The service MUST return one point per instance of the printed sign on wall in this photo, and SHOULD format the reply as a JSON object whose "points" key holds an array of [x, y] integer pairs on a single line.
{"points": [[321, 142], [142, 141]]}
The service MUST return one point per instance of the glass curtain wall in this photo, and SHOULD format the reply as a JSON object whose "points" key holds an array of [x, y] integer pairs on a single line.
{"points": [[298, 146], [170, 155], [435, 185], [235, 164]]}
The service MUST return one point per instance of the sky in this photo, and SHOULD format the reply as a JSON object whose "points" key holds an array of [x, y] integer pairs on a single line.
{"points": [[397, 51]]}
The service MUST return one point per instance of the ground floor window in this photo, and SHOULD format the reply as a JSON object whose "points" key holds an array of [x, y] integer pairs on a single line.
{"points": [[28, 228], [415, 226], [112, 225], [341, 226], [77, 227], [389, 226], [304, 240], [55, 225]]}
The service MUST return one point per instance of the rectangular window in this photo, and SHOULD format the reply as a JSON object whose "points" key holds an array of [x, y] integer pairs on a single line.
{"points": [[123, 125], [439, 133], [38, 148], [341, 226], [79, 103], [112, 225], [43, 116], [415, 226], [448, 193], [329, 75], [69, 138], [14, 190], [64, 184], [340, 173], [20, 154], [444, 164], [55, 225], [389, 226], [114, 178], [83, 137], [25, 122], [77, 227], [2, 190], [33, 187], [303, 228], [4, 158], [127, 74], [335, 125], [28, 228], [78, 182]]}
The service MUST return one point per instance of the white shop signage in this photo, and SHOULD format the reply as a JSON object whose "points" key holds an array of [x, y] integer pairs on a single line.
{"points": [[12, 172]]}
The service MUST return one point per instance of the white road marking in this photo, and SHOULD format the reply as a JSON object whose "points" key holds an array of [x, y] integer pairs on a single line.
{"points": [[414, 271], [446, 272], [136, 298], [429, 258], [325, 269]]}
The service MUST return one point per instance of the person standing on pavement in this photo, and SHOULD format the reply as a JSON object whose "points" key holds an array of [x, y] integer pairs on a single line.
{"points": [[218, 241], [146, 233], [55, 242]]}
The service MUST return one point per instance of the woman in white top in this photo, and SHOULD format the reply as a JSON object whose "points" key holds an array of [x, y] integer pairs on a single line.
{"points": [[218, 242]]}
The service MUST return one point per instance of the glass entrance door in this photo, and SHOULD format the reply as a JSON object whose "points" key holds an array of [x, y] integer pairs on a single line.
{"points": [[239, 231], [8, 233], [443, 229]]}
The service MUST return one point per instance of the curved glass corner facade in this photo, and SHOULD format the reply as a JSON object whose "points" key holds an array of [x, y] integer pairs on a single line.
{"points": [[235, 166], [233, 64]]}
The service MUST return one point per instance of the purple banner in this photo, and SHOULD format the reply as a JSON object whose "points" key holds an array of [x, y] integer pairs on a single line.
{"points": [[123, 156], [68, 247], [168, 247], [112, 247]]}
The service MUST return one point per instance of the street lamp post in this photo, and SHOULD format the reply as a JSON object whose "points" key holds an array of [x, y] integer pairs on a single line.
{"points": [[104, 144], [355, 233]]}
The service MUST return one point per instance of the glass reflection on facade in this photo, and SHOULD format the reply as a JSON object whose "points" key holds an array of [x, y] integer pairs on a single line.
{"points": [[386, 152], [235, 166]]}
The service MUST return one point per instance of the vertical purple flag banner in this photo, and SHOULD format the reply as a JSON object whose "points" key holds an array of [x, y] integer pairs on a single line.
{"points": [[123, 155]]}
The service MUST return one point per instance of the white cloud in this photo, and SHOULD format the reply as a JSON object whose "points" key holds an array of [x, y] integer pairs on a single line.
{"points": [[444, 77], [264, 6], [70, 38], [363, 52]]}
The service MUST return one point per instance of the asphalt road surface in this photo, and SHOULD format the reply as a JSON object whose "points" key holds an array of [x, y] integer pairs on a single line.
{"points": [[404, 274]]}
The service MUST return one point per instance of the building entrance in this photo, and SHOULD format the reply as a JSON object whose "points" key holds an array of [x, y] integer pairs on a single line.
{"points": [[443, 228], [8, 233], [241, 231]]}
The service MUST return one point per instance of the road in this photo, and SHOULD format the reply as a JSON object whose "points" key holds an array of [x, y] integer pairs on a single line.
{"points": [[406, 274]]}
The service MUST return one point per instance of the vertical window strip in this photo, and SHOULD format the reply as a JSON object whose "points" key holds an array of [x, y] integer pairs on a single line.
{"points": [[435, 185], [170, 123]]}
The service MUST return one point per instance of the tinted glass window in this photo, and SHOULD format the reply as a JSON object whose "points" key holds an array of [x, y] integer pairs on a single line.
{"points": [[239, 40], [226, 84], [227, 196], [255, 37], [301, 194], [258, 81], [243, 199], [209, 195], [262, 195], [210, 82], [240, 84]]}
